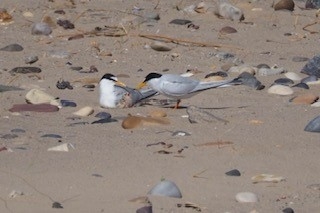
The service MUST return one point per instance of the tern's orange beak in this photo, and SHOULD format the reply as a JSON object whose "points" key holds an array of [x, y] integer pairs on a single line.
{"points": [[142, 84], [119, 83]]}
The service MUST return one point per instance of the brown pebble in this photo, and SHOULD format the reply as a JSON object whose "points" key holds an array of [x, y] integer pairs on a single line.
{"points": [[34, 108], [227, 30], [284, 5], [305, 99], [131, 122]]}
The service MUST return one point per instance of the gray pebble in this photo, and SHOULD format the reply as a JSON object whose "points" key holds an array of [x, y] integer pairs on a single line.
{"points": [[310, 78], [313, 125], [17, 130], [312, 67], [145, 209], [67, 103], [9, 136], [284, 81], [288, 210], [250, 80], [104, 120], [26, 70], [4, 88], [57, 205], [301, 85], [51, 136], [103, 115], [233, 172], [219, 73], [12, 48], [31, 59], [152, 16], [41, 29], [180, 21], [263, 66]]}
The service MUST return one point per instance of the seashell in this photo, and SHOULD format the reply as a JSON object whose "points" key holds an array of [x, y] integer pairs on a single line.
{"points": [[61, 148], [51, 136], [312, 67], [243, 68], [304, 99], [202, 7], [228, 11], [85, 111], [180, 133], [271, 71], [41, 29], [301, 85], [293, 76], [219, 73], [309, 79], [33, 108], [280, 90], [284, 5], [36, 96], [267, 178], [31, 59], [180, 21], [288, 210], [227, 30], [233, 172], [66, 24], [145, 209], [166, 188], [103, 115], [246, 197], [12, 48], [59, 54], [283, 81], [66, 103], [160, 46], [28, 14], [104, 121], [263, 66], [313, 125], [316, 104]]}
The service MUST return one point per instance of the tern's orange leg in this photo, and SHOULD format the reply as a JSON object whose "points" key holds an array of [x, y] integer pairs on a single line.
{"points": [[177, 104]]}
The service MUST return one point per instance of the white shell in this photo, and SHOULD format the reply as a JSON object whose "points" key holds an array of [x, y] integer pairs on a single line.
{"points": [[267, 178], [61, 148], [280, 90], [293, 76], [246, 197], [85, 111], [36, 96], [166, 188]]}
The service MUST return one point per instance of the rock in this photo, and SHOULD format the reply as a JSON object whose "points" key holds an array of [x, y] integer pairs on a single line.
{"points": [[34, 108], [57, 205], [227, 30], [85, 111], [31, 59], [283, 81], [233, 172], [36, 96], [41, 29], [313, 125], [67, 103], [267, 178], [309, 79], [304, 99], [312, 67], [243, 68], [145, 209], [280, 90], [228, 11], [180, 133], [301, 85], [288, 210], [160, 46], [180, 21], [246, 197], [293, 76], [66, 24], [25, 70], [59, 54], [312, 4], [284, 5], [166, 188], [12, 48], [152, 16], [51, 136], [103, 115]]}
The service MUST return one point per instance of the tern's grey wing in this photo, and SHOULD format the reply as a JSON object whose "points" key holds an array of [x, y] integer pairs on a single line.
{"points": [[120, 92], [203, 85], [176, 85]]}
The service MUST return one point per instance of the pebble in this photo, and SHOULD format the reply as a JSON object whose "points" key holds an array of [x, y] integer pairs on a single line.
{"points": [[36, 96], [316, 104], [249, 80], [227, 30], [312, 67], [103, 115], [31, 59], [180, 133], [280, 90], [288, 210], [9, 136], [67, 103], [267, 178], [313, 4], [304, 99], [41, 28], [228, 11], [284, 5], [51, 136], [311, 78], [180, 21], [263, 66], [57, 205], [283, 81], [243, 68], [293, 76], [66, 24], [271, 71], [166, 188], [299, 59], [85, 111], [17, 130], [25, 70], [12, 48], [233, 172], [313, 125], [104, 120], [152, 16], [145, 209], [64, 85], [34, 108], [246, 197], [301, 85], [219, 73], [160, 46]]}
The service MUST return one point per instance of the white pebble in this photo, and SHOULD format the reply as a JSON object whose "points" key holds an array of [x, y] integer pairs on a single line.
{"points": [[41, 29], [246, 197], [85, 111], [228, 11], [293, 76], [36, 96], [280, 90]]}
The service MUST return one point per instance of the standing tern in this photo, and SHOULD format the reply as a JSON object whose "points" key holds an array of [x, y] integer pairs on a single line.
{"points": [[115, 94], [178, 87]]}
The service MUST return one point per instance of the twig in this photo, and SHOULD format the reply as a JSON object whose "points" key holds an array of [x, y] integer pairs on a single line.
{"points": [[181, 41], [309, 25]]}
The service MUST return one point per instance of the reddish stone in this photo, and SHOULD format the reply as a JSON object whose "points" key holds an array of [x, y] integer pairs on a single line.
{"points": [[33, 108]]}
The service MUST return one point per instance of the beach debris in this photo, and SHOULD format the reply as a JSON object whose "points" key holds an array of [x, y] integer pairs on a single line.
{"points": [[36, 96], [180, 21], [145, 209], [63, 85], [12, 48], [246, 197], [312, 67], [267, 178], [31, 59], [305, 99], [228, 11], [15, 193], [62, 148], [85, 111], [67, 103], [5, 17], [25, 70], [313, 125], [280, 90], [57, 205], [233, 172], [198, 115], [34, 108], [41, 28], [160, 46], [166, 188], [284, 5], [66, 24], [312, 4], [190, 205]]}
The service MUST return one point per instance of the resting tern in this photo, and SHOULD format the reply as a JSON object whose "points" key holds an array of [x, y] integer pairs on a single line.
{"points": [[179, 87], [115, 94]]}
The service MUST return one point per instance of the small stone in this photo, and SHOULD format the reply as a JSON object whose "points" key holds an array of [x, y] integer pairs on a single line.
{"points": [[41, 29], [166, 188], [36, 96], [66, 24], [17, 130], [246, 197], [271, 71], [284, 5], [227, 30], [311, 78], [31, 59], [64, 85], [85, 111], [304, 99], [103, 115], [104, 120], [219, 73], [288, 210], [313, 125], [57, 205], [263, 66], [280, 90], [152, 16], [316, 104], [160, 46], [34, 108], [51, 136], [301, 85], [12, 48], [312, 67], [233, 172], [228, 11], [267, 178], [67, 103], [283, 81], [145, 209], [26, 70], [293, 76], [9, 136], [180, 21], [299, 59]]}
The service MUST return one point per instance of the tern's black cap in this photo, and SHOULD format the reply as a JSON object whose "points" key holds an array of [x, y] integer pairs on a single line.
{"points": [[151, 76], [108, 76]]}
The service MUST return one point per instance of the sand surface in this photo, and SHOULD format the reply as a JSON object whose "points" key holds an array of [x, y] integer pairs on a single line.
{"points": [[110, 165]]}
